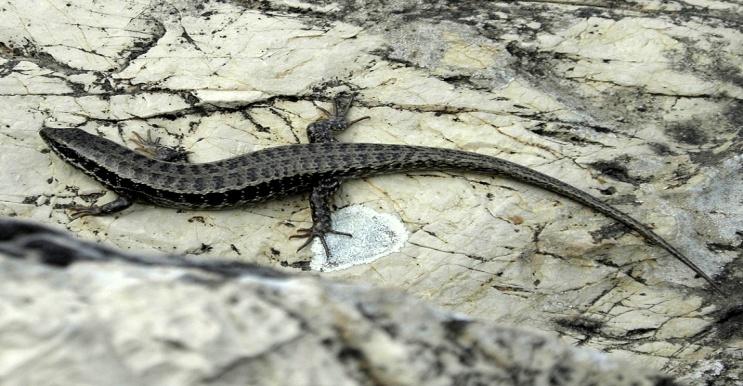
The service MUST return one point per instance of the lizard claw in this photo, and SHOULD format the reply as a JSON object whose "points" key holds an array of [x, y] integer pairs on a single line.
{"points": [[357, 120], [147, 145], [319, 232], [152, 148], [327, 114], [79, 211]]}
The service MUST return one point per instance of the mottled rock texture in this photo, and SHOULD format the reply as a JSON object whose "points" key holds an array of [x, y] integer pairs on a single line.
{"points": [[80, 314], [640, 103]]}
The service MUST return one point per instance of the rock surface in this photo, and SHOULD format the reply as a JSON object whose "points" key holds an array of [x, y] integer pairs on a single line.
{"points": [[639, 103], [82, 314]]}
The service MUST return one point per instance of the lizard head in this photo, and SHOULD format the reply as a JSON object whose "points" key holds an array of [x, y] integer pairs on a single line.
{"points": [[75, 146], [64, 140]]}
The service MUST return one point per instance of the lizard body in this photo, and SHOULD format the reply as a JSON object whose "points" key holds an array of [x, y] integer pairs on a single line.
{"points": [[284, 170]]}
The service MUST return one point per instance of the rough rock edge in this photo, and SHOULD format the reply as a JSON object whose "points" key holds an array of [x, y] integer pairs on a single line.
{"points": [[374, 337]]}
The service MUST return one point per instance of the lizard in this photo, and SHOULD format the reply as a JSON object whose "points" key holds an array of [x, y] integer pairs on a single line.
{"points": [[161, 175]]}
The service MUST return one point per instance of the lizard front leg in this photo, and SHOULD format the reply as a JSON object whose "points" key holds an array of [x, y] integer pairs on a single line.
{"points": [[153, 149], [321, 197], [117, 205]]}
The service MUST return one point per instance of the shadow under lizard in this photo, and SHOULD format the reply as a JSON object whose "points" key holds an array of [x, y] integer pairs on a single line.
{"points": [[166, 178]]}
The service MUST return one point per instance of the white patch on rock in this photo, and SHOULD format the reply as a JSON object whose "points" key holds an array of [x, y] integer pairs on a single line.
{"points": [[374, 235]]}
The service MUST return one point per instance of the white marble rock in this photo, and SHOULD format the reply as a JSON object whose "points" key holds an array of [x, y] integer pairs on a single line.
{"points": [[639, 105]]}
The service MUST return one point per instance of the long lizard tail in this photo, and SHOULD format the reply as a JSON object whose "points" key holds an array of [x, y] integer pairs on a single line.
{"points": [[435, 158]]}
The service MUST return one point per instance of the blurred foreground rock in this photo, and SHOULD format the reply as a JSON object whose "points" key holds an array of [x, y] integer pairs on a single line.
{"points": [[75, 313]]}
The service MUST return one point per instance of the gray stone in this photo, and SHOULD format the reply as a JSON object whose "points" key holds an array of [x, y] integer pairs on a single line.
{"points": [[637, 103]]}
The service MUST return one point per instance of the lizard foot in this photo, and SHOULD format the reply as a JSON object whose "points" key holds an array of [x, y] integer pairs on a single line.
{"points": [[152, 148], [340, 109], [78, 211], [119, 204], [316, 231]]}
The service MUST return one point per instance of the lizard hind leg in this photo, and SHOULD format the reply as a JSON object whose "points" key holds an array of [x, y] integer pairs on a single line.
{"points": [[339, 122], [320, 199], [317, 232], [341, 107], [341, 112]]}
